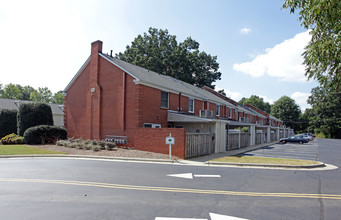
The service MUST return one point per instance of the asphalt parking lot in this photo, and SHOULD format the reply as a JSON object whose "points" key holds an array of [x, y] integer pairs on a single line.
{"points": [[308, 151]]}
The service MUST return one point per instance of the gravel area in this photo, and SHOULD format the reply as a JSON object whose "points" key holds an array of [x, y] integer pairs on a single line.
{"points": [[116, 152]]}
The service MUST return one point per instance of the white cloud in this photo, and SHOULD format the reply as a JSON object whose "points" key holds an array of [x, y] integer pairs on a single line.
{"points": [[245, 30], [266, 99], [301, 99], [236, 96], [283, 61]]}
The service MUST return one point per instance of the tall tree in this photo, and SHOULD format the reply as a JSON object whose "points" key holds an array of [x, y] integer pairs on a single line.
{"points": [[287, 110], [58, 98], [322, 55], [325, 115], [159, 51], [11, 91], [42, 95], [26, 92], [257, 102]]}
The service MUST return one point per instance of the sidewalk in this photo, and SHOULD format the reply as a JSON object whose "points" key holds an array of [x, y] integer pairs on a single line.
{"points": [[206, 158]]}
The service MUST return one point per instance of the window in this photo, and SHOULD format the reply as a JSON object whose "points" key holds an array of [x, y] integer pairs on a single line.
{"points": [[164, 99], [151, 125], [191, 105], [217, 111], [230, 113]]}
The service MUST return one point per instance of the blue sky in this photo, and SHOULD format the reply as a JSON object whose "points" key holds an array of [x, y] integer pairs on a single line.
{"points": [[258, 45]]}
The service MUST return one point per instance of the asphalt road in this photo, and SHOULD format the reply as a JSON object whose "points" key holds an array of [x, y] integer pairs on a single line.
{"points": [[61, 188]]}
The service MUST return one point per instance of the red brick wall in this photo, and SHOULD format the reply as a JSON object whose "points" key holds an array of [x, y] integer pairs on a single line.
{"points": [[150, 107], [75, 107], [198, 105], [153, 140]]}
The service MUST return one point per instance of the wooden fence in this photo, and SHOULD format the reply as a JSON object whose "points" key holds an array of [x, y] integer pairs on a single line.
{"points": [[259, 138], [233, 141], [234, 138], [199, 144]]}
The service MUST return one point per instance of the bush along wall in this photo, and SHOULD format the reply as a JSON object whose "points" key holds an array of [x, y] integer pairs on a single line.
{"points": [[8, 122], [44, 134], [33, 114]]}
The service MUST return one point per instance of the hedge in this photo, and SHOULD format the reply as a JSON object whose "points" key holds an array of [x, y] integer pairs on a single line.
{"points": [[44, 134], [8, 122], [33, 114]]}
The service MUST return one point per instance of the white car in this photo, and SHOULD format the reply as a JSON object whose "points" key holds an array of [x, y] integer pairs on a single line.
{"points": [[307, 136]]}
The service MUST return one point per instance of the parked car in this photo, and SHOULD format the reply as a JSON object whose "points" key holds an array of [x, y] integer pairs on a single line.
{"points": [[294, 139], [306, 136]]}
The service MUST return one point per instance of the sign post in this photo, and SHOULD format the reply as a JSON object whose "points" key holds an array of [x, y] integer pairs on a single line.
{"points": [[170, 140]]}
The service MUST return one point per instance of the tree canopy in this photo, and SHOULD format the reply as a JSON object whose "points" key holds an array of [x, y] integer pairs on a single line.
{"points": [[159, 51], [257, 102], [16, 91], [287, 110], [322, 55], [325, 114]]}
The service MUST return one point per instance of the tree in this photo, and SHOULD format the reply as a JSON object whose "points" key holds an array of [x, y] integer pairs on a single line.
{"points": [[322, 54], [257, 102], [26, 92], [287, 110], [159, 51], [58, 98], [11, 91], [325, 115], [42, 95], [222, 92]]}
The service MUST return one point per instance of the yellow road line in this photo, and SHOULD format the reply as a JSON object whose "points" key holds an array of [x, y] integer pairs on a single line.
{"points": [[179, 190]]}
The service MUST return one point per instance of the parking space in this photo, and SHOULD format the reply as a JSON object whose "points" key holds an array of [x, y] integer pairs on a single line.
{"points": [[308, 151]]}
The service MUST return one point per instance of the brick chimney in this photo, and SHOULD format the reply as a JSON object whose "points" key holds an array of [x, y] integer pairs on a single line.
{"points": [[94, 105]]}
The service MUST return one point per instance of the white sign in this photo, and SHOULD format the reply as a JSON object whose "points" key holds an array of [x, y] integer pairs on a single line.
{"points": [[170, 140]]}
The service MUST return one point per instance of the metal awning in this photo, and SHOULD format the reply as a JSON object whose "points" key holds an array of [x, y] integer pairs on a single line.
{"points": [[178, 117]]}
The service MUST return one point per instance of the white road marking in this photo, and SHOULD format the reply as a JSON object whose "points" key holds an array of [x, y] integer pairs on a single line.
{"points": [[224, 217], [199, 175], [190, 175], [213, 216]]}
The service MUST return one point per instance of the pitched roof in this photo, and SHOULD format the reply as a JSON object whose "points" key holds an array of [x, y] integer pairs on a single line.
{"points": [[14, 104], [153, 79]]}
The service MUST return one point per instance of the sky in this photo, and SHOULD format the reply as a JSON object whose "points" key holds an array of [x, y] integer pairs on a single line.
{"points": [[43, 43]]}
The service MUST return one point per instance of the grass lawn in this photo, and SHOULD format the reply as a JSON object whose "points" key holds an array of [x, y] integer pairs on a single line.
{"points": [[263, 160], [23, 150]]}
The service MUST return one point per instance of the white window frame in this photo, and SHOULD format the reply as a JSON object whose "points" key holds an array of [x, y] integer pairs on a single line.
{"points": [[166, 107], [189, 110]]}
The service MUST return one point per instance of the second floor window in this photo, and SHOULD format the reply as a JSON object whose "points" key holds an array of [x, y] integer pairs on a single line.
{"points": [[164, 99], [191, 105], [217, 111]]}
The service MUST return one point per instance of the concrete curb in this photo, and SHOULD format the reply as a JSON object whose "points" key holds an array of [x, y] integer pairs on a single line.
{"points": [[91, 157], [320, 165], [207, 163]]}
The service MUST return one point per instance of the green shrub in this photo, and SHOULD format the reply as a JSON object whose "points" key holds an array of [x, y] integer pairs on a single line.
{"points": [[8, 122], [111, 145], [44, 134], [12, 139], [33, 114], [95, 148], [101, 145]]}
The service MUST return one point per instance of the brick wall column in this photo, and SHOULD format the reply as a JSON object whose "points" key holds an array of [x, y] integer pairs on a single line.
{"points": [[94, 98]]}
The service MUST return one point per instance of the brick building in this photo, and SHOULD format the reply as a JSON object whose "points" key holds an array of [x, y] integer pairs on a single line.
{"points": [[110, 98]]}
